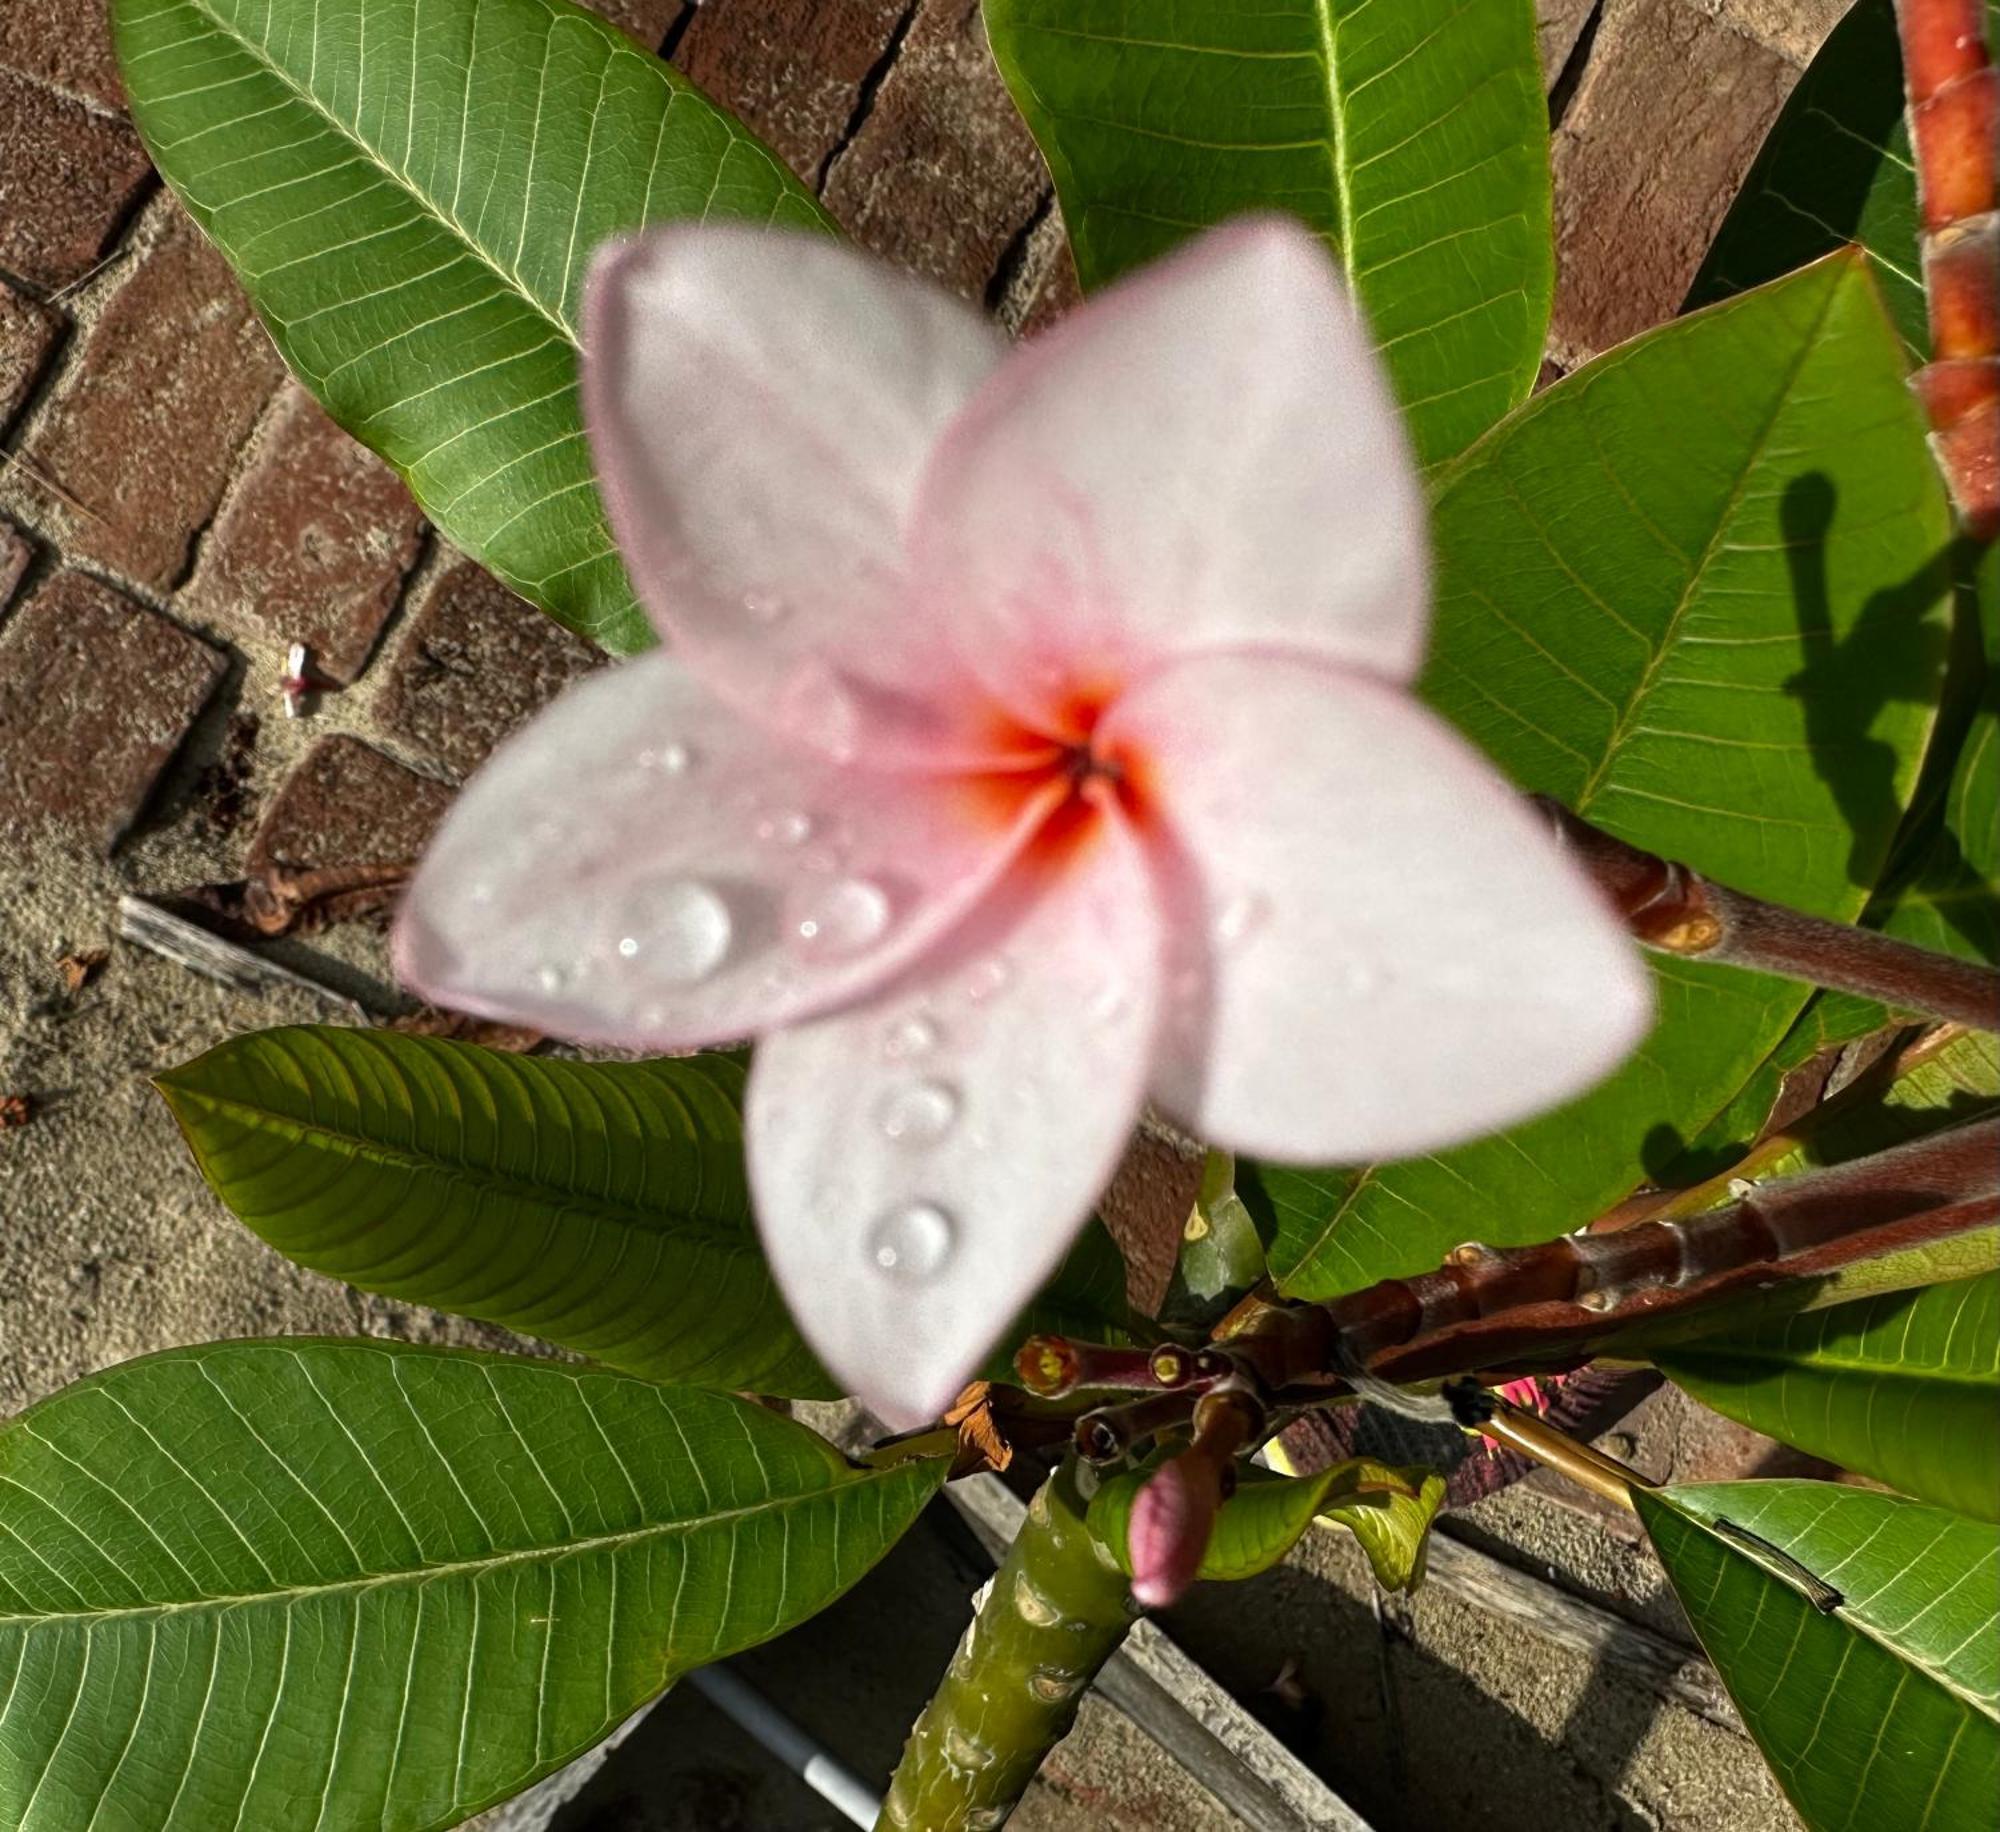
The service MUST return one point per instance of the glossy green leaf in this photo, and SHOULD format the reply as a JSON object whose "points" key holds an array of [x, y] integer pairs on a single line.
{"points": [[375, 1587], [1834, 169], [1389, 1510], [1221, 1257], [1886, 1711], [1904, 1388], [1411, 134], [1695, 591], [410, 191], [601, 1206]]}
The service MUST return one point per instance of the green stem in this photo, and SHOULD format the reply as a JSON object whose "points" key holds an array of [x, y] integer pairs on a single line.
{"points": [[1055, 1613]]}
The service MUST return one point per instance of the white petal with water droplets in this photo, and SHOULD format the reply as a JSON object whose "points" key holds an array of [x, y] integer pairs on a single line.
{"points": [[760, 406], [615, 872], [1206, 457], [1424, 966], [923, 1161]]}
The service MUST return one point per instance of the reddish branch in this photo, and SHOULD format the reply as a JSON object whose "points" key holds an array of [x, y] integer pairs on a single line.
{"points": [[1677, 911], [1556, 1304], [1954, 104], [1566, 1299]]}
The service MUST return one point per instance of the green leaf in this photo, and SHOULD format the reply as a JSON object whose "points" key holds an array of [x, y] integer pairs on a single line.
{"points": [[1834, 169], [1389, 1510], [376, 1587], [1884, 1713], [1220, 1258], [1695, 591], [410, 191], [1903, 1387], [1949, 898], [598, 1205], [1412, 135]]}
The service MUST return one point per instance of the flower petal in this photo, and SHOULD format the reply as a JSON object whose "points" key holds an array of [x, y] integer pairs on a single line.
{"points": [[1206, 456], [1386, 951], [640, 866], [921, 1163], [760, 406]]}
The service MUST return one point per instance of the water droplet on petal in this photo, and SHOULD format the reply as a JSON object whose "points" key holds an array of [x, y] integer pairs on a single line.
{"points": [[678, 930], [987, 978], [1033, 1608], [552, 977], [909, 1037], [1240, 918], [842, 917], [792, 829], [668, 759], [913, 1241], [1109, 1003], [919, 1114]]}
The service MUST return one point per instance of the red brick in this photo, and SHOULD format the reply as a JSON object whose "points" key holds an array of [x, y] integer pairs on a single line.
{"points": [[154, 405], [67, 177], [313, 542], [27, 334], [645, 20], [475, 662], [943, 175], [96, 693], [65, 44], [14, 556], [1651, 152], [348, 804], [793, 70]]}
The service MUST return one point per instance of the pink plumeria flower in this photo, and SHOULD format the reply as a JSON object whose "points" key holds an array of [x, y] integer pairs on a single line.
{"points": [[1036, 738]]}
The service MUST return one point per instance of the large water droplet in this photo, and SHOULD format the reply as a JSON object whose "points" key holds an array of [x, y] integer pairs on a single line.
{"points": [[1240, 918], [912, 1241], [678, 930], [909, 1037], [842, 917], [668, 759], [919, 1114]]}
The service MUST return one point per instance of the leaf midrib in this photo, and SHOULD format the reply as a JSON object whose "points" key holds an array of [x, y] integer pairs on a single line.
{"points": [[315, 1135], [1923, 1665], [288, 1596], [1807, 348], [258, 55]]}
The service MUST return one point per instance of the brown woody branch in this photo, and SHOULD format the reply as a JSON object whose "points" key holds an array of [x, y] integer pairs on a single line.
{"points": [[1954, 105], [1674, 909], [1562, 1301]]}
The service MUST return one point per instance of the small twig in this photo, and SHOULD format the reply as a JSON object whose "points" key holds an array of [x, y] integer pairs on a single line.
{"points": [[188, 944], [1677, 911], [43, 481]]}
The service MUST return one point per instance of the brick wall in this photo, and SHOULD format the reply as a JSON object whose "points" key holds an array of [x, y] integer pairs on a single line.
{"points": [[174, 512]]}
